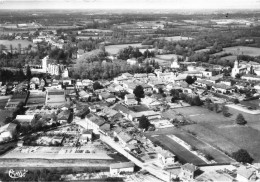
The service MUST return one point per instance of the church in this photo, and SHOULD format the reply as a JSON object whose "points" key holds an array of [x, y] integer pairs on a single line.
{"points": [[238, 69]]}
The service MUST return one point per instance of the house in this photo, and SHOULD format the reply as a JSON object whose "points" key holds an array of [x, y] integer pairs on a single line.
{"points": [[249, 77], [107, 97], [150, 102], [123, 137], [130, 100], [127, 75], [8, 132], [207, 73], [203, 83], [85, 136], [132, 61], [25, 119], [222, 88], [188, 171], [147, 88], [245, 174], [105, 128], [94, 122], [126, 167], [124, 110], [20, 143], [64, 116], [175, 64]]}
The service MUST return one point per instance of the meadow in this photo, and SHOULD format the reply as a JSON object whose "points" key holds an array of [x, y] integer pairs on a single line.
{"points": [[223, 132], [239, 50], [114, 49], [14, 43]]}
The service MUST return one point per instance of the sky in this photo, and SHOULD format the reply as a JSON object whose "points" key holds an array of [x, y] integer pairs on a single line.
{"points": [[130, 4]]}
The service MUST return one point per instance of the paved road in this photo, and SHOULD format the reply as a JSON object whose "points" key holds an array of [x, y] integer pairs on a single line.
{"points": [[156, 171]]}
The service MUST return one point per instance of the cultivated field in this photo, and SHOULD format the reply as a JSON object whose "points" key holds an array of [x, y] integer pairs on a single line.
{"points": [[222, 132], [202, 146], [114, 49], [14, 43], [251, 51], [182, 153]]}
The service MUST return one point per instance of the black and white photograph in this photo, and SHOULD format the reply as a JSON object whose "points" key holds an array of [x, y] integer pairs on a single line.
{"points": [[130, 90]]}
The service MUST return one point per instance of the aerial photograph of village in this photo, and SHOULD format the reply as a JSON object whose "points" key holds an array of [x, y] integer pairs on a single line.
{"points": [[130, 90]]}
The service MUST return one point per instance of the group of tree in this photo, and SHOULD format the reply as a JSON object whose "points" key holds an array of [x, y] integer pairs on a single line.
{"points": [[190, 80], [9, 75], [193, 100]]}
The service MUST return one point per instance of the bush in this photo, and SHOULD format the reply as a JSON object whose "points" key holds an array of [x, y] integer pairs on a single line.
{"points": [[240, 119], [209, 157], [225, 111]]}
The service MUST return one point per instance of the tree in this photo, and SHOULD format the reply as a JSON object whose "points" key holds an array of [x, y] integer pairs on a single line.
{"points": [[238, 76], [161, 91], [8, 120], [139, 91], [97, 85], [240, 119], [144, 122], [28, 73], [175, 93], [242, 156], [189, 80], [116, 139]]}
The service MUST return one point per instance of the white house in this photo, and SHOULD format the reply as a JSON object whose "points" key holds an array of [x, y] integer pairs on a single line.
{"points": [[175, 64], [25, 119], [166, 158], [132, 61], [85, 136], [117, 168]]}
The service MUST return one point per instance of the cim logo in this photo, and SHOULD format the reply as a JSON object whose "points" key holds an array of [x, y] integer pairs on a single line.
{"points": [[17, 174]]}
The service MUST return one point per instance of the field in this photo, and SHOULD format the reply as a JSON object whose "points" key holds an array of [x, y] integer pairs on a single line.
{"points": [[251, 51], [165, 59], [176, 38], [14, 43], [222, 132], [114, 49], [230, 58]]}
